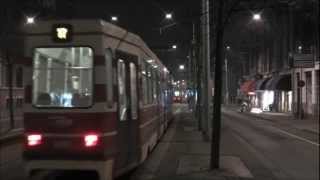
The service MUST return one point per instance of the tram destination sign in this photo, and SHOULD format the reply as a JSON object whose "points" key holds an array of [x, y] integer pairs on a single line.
{"points": [[62, 33], [303, 60]]}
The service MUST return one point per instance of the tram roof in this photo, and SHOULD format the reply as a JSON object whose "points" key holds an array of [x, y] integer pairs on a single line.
{"points": [[94, 26]]}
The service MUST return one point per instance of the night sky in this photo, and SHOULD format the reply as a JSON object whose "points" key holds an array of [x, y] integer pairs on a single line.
{"points": [[144, 17]]}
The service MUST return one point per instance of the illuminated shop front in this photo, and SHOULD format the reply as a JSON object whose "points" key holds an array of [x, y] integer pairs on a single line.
{"points": [[264, 97], [277, 95]]}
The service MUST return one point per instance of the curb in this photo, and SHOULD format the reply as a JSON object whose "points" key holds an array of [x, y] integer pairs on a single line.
{"points": [[12, 135]]}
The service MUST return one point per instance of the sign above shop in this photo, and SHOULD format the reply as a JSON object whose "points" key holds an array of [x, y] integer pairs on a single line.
{"points": [[303, 60]]}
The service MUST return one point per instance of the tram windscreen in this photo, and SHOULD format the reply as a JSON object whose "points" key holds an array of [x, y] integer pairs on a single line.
{"points": [[62, 77]]}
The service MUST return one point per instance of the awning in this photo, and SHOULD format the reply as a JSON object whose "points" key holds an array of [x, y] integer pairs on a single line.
{"points": [[261, 84], [248, 86], [280, 83]]}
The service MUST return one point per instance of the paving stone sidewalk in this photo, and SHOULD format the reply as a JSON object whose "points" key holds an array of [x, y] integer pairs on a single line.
{"points": [[183, 154]]}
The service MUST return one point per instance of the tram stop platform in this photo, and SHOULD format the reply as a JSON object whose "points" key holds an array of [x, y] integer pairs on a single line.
{"points": [[182, 153]]}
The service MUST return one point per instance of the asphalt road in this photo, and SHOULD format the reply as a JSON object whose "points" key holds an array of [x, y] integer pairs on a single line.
{"points": [[271, 150]]}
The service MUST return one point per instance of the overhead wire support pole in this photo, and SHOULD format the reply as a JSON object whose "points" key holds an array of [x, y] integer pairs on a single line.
{"points": [[206, 65], [216, 120]]}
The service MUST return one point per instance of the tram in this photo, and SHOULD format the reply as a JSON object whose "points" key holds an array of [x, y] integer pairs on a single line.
{"points": [[96, 98]]}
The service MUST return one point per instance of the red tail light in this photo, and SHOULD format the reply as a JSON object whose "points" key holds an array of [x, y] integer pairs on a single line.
{"points": [[91, 140], [34, 139]]}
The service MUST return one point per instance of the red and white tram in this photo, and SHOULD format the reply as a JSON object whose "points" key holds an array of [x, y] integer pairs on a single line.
{"points": [[96, 98]]}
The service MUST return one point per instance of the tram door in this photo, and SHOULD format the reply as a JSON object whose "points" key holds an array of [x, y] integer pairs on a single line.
{"points": [[127, 112]]}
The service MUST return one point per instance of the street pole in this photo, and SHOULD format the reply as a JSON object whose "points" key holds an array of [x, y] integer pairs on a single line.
{"points": [[216, 118], [206, 63], [193, 67], [199, 91]]}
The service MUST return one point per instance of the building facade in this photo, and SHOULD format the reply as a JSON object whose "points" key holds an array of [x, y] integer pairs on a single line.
{"points": [[283, 50], [18, 95]]}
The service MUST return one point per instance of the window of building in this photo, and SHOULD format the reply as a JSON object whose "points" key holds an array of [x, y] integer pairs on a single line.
{"points": [[6, 76], [19, 77], [19, 102]]}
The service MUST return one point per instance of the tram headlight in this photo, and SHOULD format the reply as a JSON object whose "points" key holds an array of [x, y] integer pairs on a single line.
{"points": [[91, 140], [34, 139]]}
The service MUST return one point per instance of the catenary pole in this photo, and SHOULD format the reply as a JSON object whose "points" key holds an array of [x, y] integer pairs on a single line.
{"points": [[216, 120], [206, 64]]}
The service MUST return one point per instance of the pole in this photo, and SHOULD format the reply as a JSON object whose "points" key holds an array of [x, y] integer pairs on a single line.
{"points": [[216, 119], [193, 66], [206, 64], [199, 92]]}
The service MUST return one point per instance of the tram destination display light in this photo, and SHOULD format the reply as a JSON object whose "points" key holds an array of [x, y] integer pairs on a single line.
{"points": [[62, 33]]}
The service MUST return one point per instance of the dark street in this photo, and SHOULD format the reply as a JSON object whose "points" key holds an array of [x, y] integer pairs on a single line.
{"points": [[267, 150], [159, 89]]}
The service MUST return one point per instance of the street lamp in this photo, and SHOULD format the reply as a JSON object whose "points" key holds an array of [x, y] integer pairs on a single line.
{"points": [[181, 67], [256, 17], [174, 46], [114, 18], [300, 48], [168, 16], [30, 19]]}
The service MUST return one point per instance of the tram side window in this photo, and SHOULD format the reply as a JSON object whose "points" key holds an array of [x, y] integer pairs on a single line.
{"points": [[144, 84], [133, 91], [122, 95], [109, 76], [150, 84], [154, 86], [62, 77]]}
